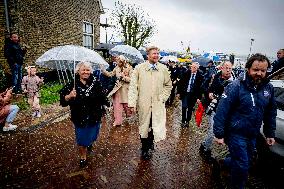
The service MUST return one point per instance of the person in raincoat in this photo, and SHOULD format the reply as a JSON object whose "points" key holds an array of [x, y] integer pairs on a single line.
{"points": [[149, 89], [119, 93]]}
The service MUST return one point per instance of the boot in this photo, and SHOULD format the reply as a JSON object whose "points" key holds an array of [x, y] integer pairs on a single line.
{"points": [[205, 154], [145, 150]]}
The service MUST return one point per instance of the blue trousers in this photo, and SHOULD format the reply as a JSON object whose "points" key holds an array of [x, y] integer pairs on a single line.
{"points": [[16, 70], [241, 152], [12, 113]]}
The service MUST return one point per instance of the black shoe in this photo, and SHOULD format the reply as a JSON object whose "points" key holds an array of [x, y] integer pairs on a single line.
{"points": [[205, 154], [152, 147], [201, 149], [146, 155], [216, 169], [184, 125], [83, 163], [90, 148]]}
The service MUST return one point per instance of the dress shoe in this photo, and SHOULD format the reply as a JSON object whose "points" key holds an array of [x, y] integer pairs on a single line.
{"points": [[205, 154], [152, 147], [184, 125], [90, 148], [83, 163], [146, 155]]}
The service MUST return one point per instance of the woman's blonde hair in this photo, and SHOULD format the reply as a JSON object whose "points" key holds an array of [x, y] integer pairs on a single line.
{"points": [[122, 59], [86, 64]]}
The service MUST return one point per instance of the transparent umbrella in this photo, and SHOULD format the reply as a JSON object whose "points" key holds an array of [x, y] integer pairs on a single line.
{"points": [[64, 58], [131, 53], [169, 58]]}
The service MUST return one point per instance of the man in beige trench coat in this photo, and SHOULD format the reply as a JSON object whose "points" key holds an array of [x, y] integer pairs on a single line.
{"points": [[149, 89]]}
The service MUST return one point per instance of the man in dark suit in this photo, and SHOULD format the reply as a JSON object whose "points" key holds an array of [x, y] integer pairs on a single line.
{"points": [[189, 91]]}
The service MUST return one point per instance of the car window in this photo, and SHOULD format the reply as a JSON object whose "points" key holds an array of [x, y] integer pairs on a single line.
{"points": [[279, 97]]}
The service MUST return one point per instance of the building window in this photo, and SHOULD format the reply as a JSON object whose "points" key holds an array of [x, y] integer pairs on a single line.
{"points": [[88, 35]]}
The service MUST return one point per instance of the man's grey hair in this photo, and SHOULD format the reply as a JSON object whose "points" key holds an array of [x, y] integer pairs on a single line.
{"points": [[86, 64], [195, 63], [226, 62]]}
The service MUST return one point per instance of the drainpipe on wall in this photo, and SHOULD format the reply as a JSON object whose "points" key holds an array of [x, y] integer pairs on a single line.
{"points": [[7, 16]]}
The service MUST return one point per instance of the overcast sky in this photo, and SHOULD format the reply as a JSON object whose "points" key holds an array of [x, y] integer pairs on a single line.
{"points": [[213, 25]]}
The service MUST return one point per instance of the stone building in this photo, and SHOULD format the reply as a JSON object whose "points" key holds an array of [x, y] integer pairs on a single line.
{"points": [[43, 24]]}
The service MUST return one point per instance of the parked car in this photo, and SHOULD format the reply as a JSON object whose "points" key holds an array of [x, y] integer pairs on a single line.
{"points": [[271, 158]]}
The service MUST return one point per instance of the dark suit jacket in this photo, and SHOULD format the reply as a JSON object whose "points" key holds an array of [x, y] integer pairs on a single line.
{"points": [[183, 84]]}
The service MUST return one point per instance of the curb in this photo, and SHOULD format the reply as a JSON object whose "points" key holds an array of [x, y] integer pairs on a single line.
{"points": [[44, 123]]}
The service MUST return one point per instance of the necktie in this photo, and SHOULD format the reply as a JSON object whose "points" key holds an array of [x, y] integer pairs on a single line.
{"points": [[192, 81]]}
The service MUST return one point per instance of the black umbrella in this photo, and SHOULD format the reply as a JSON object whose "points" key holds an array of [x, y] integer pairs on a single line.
{"points": [[202, 61]]}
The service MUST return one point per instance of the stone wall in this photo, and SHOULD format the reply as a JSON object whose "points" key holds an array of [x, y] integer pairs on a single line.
{"points": [[45, 24]]}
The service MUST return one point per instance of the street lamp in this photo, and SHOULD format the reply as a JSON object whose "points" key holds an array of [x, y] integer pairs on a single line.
{"points": [[250, 49], [106, 25]]}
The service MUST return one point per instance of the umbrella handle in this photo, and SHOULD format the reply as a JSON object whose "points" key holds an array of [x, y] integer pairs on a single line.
{"points": [[74, 65]]}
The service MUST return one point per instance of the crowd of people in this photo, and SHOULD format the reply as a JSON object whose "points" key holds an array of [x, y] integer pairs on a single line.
{"points": [[236, 104]]}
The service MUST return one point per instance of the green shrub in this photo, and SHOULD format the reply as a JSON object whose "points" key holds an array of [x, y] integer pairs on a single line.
{"points": [[50, 93], [22, 103]]}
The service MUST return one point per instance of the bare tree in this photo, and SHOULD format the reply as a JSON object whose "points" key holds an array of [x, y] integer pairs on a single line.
{"points": [[134, 25]]}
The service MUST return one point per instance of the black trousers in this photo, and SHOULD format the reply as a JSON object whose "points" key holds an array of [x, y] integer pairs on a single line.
{"points": [[188, 104], [173, 94], [147, 143]]}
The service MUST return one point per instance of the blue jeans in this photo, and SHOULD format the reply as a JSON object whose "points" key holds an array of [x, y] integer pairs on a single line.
{"points": [[241, 152], [16, 70], [208, 141], [12, 113]]}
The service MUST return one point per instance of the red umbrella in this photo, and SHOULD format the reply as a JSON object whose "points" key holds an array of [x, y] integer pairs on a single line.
{"points": [[198, 114]]}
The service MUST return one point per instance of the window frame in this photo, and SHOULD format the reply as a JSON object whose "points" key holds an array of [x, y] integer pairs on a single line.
{"points": [[87, 35]]}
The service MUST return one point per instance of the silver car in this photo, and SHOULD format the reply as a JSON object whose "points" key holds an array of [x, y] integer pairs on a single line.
{"points": [[271, 158], [278, 147]]}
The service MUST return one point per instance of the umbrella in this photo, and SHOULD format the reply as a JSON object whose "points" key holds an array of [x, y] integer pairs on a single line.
{"points": [[202, 61], [63, 58], [131, 53], [169, 58]]}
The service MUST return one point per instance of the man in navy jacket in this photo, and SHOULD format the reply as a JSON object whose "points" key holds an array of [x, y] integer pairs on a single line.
{"points": [[245, 104]]}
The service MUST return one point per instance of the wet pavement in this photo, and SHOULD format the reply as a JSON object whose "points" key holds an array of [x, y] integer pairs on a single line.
{"points": [[45, 156]]}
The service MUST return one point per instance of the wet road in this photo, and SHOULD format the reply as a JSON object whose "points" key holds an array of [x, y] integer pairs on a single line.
{"points": [[47, 158]]}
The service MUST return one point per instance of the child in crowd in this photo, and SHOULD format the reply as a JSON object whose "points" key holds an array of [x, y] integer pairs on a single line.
{"points": [[30, 85]]}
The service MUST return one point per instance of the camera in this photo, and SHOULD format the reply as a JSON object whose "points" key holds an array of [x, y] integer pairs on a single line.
{"points": [[213, 105]]}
